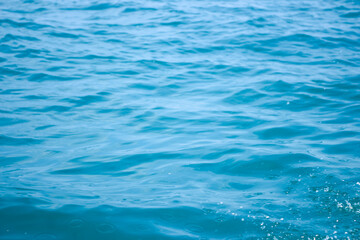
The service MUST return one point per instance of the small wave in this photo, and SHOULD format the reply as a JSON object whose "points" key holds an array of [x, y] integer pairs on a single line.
{"points": [[16, 141], [11, 121], [285, 132], [351, 15], [41, 77], [85, 100], [28, 25], [64, 35], [244, 97], [96, 7]]}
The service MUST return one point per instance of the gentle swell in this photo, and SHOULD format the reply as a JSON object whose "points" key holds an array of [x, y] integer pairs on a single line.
{"points": [[179, 119]]}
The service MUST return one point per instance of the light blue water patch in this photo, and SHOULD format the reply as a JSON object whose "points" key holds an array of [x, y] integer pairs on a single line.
{"points": [[179, 119]]}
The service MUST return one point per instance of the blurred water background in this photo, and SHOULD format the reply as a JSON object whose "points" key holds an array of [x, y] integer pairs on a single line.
{"points": [[181, 119]]}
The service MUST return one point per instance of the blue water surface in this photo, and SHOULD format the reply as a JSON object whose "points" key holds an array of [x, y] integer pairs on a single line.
{"points": [[184, 119]]}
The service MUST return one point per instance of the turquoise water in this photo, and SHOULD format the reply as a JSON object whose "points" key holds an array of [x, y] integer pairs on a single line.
{"points": [[179, 119]]}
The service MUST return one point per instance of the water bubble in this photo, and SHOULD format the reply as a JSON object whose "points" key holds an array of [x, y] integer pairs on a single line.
{"points": [[106, 228], [76, 223]]}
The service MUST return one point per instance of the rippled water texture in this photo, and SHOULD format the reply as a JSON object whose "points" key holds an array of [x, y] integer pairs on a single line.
{"points": [[179, 119]]}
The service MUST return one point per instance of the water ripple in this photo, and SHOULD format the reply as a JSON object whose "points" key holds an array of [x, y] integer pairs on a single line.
{"points": [[179, 120]]}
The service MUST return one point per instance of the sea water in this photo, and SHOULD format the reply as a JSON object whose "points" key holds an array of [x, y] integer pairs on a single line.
{"points": [[181, 119]]}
